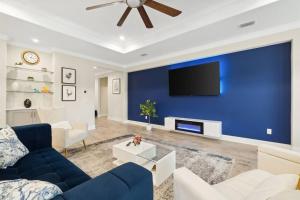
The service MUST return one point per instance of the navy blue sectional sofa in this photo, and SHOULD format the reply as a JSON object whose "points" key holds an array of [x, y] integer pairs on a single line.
{"points": [[127, 182]]}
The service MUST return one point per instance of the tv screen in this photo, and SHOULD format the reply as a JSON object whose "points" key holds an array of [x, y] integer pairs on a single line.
{"points": [[200, 80]]}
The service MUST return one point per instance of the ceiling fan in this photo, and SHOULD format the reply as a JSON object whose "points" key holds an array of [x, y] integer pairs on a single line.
{"points": [[139, 4]]}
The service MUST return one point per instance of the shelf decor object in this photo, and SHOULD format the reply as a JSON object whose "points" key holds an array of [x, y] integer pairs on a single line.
{"points": [[27, 103], [68, 93], [68, 75], [30, 57]]}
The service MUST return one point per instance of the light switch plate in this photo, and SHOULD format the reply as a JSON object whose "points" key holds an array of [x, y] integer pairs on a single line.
{"points": [[269, 131]]}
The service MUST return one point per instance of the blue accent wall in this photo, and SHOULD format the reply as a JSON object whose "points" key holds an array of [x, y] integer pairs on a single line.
{"points": [[255, 94]]}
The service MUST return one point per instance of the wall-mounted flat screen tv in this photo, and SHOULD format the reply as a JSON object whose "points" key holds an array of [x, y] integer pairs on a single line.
{"points": [[199, 80]]}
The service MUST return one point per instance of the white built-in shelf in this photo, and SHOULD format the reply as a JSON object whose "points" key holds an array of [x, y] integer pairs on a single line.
{"points": [[29, 69], [20, 91], [15, 79], [20, 108]]}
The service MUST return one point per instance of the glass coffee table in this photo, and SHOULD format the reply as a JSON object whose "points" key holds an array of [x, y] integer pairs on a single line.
{"points": [[161, 161]]}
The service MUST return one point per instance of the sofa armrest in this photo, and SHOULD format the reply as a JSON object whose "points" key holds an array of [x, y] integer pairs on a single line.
{"points": [[58, 138], [126, 182], [189, 186], [34, 137]]}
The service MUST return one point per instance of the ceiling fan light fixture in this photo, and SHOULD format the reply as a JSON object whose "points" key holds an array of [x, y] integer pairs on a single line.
{"points": [[135, 3], [122, 38]]}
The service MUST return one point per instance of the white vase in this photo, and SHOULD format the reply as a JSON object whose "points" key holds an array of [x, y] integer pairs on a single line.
{"points": [[149, 127]]}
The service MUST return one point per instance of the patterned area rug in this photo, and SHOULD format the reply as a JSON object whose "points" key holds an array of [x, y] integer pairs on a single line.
{"points": [[98, 159]]}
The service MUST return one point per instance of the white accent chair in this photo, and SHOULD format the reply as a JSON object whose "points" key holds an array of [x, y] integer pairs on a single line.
{"points": [[64, 133], [250, 185]]}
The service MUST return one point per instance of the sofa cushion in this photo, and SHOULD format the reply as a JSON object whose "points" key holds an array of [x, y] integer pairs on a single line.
{"points": [[273, 186], [239, 187], [46, 165], [11, 148], [126, 182], [287, 195]]}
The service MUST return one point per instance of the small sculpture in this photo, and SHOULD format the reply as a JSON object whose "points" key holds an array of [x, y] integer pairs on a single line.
{"points": [[30, 78], [45, 89], [27, 103], [19, 63]]}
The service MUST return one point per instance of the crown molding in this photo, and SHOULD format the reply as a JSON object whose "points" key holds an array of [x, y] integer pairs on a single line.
{"points": [[191, 54], [102, 63], [105, 64]]}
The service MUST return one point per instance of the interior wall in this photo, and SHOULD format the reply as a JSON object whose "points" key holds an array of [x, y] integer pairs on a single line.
{"points": [[83, 108], [103, 103], [223, 48], [3, 58], [97, 95], [255, 94], [116, 108]]}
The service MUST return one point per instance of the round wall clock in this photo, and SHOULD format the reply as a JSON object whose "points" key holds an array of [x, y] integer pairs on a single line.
{"points": [[30, 57]]}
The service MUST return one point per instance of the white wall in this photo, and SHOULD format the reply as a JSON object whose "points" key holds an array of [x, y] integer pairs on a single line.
{"points": [[3, 56], [117, 103], [97, 95], [83, 108], [103, 92], [296, 91]]}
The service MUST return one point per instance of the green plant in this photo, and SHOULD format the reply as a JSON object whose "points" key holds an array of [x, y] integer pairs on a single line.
{"points": [[148, 109]]}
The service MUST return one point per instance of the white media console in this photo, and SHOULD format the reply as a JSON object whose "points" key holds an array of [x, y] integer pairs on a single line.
{"points": [[198, 127]]}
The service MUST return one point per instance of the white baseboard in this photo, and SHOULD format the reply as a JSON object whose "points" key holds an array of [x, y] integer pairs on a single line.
{"points": [[91, 127], [224, 137], [252, 141], [115, 119]]}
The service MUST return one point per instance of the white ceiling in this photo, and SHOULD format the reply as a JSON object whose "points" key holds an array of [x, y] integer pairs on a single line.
{"points": [[65, 26]]}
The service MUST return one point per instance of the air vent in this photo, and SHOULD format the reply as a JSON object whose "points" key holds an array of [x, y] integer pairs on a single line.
{"points": [[244, 25]]}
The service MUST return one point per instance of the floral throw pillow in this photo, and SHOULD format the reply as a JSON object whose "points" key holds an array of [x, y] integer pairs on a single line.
{"points": [[11, 148], [29, 190]]}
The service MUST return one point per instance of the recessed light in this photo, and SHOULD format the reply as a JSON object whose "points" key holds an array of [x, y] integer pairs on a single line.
{"points": [[95, 67], [35, 40], [144, 54], [244, 25], [122, 38]]}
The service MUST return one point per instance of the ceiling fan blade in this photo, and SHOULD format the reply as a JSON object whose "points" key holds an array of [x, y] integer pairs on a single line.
{"points": [[145, 17], [103, 5], [163, 8], [124, 16]]}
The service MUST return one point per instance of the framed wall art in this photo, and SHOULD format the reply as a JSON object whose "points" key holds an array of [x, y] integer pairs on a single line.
{"points": [[68, 93], [116, 86], [68, 75]]}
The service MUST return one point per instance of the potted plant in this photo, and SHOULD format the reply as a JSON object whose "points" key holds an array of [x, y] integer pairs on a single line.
{"points": [[149, 111]]}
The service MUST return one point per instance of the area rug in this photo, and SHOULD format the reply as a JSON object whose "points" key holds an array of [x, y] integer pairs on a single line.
{"points": [[98, 159]]}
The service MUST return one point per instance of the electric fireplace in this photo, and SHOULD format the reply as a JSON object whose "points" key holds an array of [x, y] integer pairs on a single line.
{"points": [[189, 126]]}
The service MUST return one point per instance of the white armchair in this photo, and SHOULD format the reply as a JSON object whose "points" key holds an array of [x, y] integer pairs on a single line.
{"points": [[256, 184], [64, 133]]}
